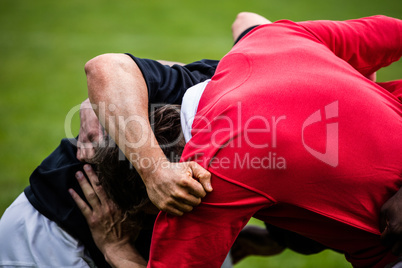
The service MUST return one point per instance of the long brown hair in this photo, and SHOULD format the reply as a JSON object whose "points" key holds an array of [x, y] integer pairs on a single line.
{"points": [[121, 181]]}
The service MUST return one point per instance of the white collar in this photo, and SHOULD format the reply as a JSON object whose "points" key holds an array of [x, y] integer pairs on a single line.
{"points": [[189, 107]]}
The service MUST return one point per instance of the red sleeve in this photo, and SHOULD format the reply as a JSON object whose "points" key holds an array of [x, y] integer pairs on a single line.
{"points": [[203, 237], [367, 44]]}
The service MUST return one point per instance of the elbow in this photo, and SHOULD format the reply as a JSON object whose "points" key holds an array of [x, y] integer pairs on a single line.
{"points": [[99, 68], [91, 65], [101, 71], [97, 73], [104, 64]]}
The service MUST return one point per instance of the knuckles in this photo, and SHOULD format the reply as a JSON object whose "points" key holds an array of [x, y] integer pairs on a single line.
{"points": [[202, 195], [93, 221], [184, 182], [163, 205], [92, 196], [197, 202], [188, 209]]}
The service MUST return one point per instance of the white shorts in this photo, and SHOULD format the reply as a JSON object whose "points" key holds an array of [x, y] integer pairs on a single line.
{"points": [[29, 239]]}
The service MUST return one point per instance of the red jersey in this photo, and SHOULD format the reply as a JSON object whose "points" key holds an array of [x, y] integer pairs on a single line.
{"points": [[295, 134]]}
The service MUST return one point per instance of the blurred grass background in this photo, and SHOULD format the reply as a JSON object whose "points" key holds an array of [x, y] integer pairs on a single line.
{"points": [[44, 45]]}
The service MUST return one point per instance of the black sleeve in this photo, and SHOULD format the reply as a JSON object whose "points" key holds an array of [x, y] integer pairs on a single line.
{"points": [[168, 84]]}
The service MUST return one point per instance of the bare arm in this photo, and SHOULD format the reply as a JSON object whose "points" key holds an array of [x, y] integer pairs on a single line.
{"points": [[118, 89], [91, 131]]}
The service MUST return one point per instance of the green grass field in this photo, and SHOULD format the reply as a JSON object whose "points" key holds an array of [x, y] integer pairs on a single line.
{"points": [[44, 45]]}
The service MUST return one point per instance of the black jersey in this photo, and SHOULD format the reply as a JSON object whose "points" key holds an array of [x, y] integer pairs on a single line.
{"points": [[48, 193], [168, 84], [49, 183]]}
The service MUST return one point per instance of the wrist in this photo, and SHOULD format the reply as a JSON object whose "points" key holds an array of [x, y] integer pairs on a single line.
{"points": [[123, 255], [150, 168]]}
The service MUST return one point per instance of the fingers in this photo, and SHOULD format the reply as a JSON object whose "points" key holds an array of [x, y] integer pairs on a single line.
{"points": [[191, 192], [181, 203], [174, 212], [190, 200], [84, 208], [203, 176], [179, 189], [93, 178], [190, 187], [87, 189], [186, 200], [93, 192], [177, 209]]}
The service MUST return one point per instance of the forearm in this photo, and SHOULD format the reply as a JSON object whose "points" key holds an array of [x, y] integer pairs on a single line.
{"points": [[118, 89], [124, 257]]}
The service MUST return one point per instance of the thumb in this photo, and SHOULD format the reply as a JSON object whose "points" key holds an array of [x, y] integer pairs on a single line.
{"points": [[203, 176]]}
